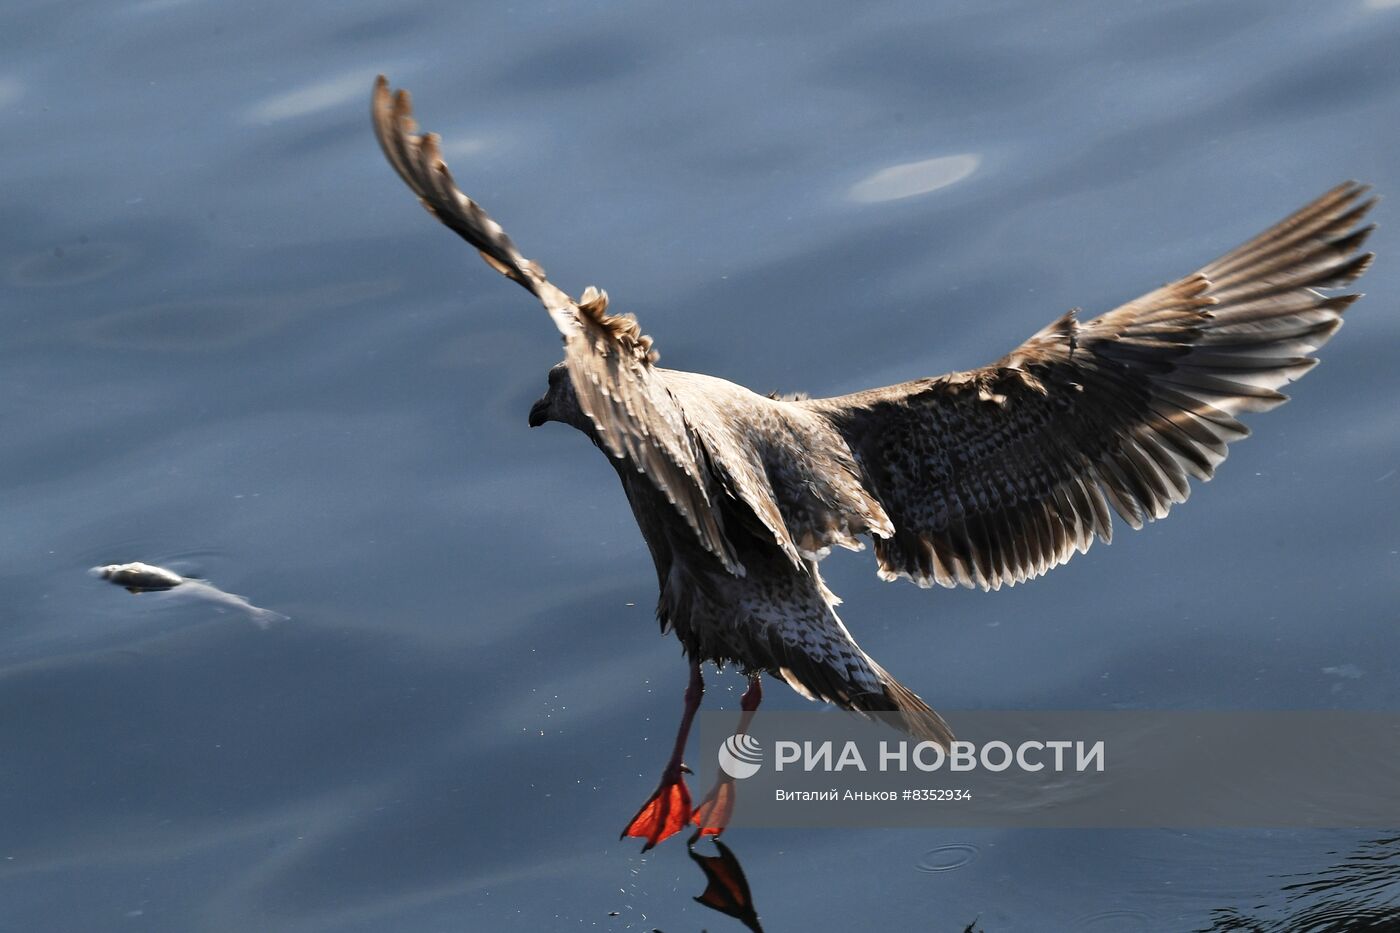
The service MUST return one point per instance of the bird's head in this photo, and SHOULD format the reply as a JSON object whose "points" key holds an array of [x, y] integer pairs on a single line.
{"points": [[559, 403]]}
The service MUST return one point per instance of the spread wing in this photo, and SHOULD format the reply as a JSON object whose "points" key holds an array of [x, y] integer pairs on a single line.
{"points": [[610, 361], [996, 475]]}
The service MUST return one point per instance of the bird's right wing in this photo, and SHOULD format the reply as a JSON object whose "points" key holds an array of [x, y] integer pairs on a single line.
{"points": [[610, 361], [995, 475]]}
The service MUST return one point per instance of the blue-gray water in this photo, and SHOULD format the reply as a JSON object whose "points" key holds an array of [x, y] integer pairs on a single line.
{"points": [[232, 343]]}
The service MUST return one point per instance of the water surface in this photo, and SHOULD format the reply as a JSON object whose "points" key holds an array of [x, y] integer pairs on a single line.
{"points": [[232, 342]]}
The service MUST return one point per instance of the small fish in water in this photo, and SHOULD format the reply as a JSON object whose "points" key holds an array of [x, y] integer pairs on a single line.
{"points": [[148, 578]]}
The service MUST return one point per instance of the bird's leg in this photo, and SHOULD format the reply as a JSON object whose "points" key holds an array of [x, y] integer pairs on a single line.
{"points": [[718, 806], [668, 810]]}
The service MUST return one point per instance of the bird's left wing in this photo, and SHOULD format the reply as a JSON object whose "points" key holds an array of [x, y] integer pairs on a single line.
{"points": [[610, 361], [995, 475]]}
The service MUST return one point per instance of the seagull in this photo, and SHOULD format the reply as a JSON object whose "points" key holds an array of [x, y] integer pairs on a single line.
{"points": [[983, 478]]}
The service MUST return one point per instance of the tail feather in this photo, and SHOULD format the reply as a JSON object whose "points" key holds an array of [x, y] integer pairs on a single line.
{"points": [[919, 719]]}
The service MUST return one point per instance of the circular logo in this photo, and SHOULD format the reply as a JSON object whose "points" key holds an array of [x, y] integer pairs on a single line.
{"points": [[740, 756]]}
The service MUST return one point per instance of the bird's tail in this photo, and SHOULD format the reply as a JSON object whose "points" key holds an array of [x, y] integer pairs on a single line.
{"points": [[917, 717]]}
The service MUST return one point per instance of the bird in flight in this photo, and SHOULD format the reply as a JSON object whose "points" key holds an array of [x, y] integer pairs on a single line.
{"points": [[982, 478]]}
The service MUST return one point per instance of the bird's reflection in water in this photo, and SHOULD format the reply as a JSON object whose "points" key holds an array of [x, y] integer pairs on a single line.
{"points": [[726, 888], [1359, 894]]}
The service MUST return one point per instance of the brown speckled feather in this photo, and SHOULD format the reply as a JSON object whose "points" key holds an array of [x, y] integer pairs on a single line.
{"points": [[999, 474]]}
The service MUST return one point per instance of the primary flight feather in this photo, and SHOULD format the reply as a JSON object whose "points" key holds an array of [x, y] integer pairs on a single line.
{"points": [[981, 478]]}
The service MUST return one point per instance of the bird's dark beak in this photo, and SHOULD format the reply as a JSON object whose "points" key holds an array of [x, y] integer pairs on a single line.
{"points": [[539, 412]]}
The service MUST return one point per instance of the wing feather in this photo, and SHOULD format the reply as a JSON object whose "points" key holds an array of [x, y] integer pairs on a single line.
{"points": [[996, 475], [610, 361]]}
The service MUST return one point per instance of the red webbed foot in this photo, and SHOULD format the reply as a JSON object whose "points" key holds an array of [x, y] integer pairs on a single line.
{"points": [[666, 813], [713, 814]]}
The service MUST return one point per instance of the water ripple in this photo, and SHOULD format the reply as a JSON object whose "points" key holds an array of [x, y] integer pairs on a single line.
{"points": [[948, 858], [73, 264], [911, 179], [312, 98], [1116, 920]]}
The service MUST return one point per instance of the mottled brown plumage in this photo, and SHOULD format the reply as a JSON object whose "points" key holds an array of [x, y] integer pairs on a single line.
{"points": [[982, 478]]}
